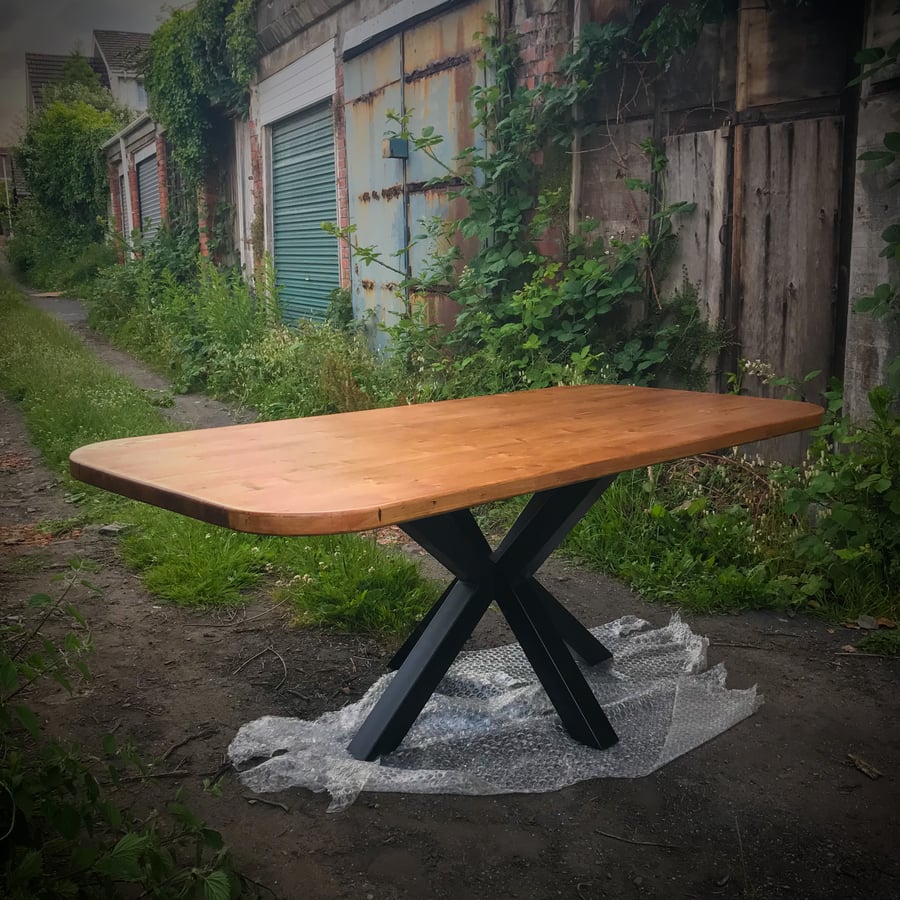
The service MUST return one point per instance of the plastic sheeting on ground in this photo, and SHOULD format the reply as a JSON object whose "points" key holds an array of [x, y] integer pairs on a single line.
{"points": [[491, 729]]}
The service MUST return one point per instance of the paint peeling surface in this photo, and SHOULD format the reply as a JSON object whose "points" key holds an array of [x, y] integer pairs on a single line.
{"points": [[427, 72], [372, 87]]}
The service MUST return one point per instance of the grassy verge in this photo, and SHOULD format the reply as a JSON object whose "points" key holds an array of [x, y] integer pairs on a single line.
{"points": [[708, 534], [69, 399]]}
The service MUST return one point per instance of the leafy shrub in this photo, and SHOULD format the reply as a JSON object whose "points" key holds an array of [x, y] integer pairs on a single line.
{"points": [[312, 369], [61, 834], [849, 494], [52, 254]]}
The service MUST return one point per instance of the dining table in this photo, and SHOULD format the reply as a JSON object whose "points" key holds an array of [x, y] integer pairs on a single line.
{"points": [[424, 467]]}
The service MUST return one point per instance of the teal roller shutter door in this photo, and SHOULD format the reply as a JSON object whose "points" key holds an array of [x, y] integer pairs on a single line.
{"points": [[148, 197], [304, 195]]}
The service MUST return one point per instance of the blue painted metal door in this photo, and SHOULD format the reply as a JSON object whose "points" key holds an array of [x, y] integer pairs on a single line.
{"points": [[372, 86], [426, 71], [303, 197]]}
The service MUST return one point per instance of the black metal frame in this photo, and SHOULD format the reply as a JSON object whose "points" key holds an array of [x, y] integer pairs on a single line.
{"points": [[544, 628]]}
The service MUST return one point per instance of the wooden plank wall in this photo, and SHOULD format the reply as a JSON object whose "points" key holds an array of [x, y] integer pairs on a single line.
{"points": [[871, 343], [754, 126], [698, 173], [786, 260], [610, 155]]}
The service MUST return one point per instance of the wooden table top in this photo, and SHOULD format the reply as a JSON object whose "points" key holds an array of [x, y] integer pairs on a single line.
{"points": [[362, 470]]}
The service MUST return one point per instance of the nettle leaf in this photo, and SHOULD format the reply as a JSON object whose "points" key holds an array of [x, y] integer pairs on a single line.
{"points": [[28, 719], [123, 861], [878, 159], [892, 141], [822, 483], [891, 234], [212, 838], [30, 867], [9, 674], [67, 820], [869, 55], [216, 886]]}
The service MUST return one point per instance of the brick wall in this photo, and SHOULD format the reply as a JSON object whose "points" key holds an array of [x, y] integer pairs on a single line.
{"points": [[118, 210], [133, 194], [257, 190], [543, 42], [343, 197], [206, 210], [544, 39], [162, 177]]}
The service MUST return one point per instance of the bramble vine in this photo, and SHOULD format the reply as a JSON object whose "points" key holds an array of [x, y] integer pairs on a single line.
{"points": [[527, 320], [884, 301]]}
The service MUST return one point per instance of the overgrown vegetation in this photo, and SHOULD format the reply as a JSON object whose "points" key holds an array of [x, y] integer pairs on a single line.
{"points": [[61, 833], [199, 69], [59, 238], [69, 399], [716, 532], [591, 313], [724, 532]]}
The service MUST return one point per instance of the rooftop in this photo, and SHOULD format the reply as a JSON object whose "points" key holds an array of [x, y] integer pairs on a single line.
{"points": [[49, 68], [122, 50]]}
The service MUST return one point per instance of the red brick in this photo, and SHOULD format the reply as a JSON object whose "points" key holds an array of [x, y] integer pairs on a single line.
{"points": [[162, 176], [133, 194]]}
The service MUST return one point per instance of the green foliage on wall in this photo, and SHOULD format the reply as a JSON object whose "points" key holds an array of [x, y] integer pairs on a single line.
{"points": [[198, 73]]}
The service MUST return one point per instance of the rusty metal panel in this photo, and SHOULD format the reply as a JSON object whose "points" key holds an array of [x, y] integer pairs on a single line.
{"points": [[440, 59], [871, 343], [786, 252], [429, 45], [698, 173], [372, 86]]}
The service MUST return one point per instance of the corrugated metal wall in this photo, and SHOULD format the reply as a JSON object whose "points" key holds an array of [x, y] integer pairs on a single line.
{"points": [[303, 197], [427, 71]]}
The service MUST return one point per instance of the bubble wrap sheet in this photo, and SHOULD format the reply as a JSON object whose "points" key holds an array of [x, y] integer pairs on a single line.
{"points": [[491, 729]]}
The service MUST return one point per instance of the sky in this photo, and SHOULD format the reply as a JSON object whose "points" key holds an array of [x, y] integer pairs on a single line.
{"points": [[57, 26]]}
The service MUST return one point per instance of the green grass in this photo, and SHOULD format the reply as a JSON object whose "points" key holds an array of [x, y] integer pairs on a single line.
{"points": [[69, 398], [883, 642]]}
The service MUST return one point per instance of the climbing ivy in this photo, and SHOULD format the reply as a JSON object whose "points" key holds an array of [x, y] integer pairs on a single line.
{"points": [[198, 74], [884, 301], [528, 320]]}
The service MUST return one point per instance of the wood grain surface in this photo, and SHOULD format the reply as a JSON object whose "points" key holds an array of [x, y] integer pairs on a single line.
{"points": [[362, 470]]}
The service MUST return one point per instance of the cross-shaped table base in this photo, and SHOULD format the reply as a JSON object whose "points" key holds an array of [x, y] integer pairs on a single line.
{"points": [[543, 627]]}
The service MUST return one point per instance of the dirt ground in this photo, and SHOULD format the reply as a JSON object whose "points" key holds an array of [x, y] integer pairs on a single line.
{"points": [[773, 808]]}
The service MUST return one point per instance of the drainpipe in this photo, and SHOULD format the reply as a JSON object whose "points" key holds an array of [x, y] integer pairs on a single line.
{"points": [[126, 200], [578, 20], [407, 225], [8, 203]]}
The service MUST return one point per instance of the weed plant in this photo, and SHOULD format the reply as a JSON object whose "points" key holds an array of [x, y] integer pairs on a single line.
{"points": [[717, 533], [708, 534], [69, 399], [61, 832], [52, 255]]}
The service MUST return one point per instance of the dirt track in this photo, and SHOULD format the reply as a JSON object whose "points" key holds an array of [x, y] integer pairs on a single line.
{"points": [[773, 808]]}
